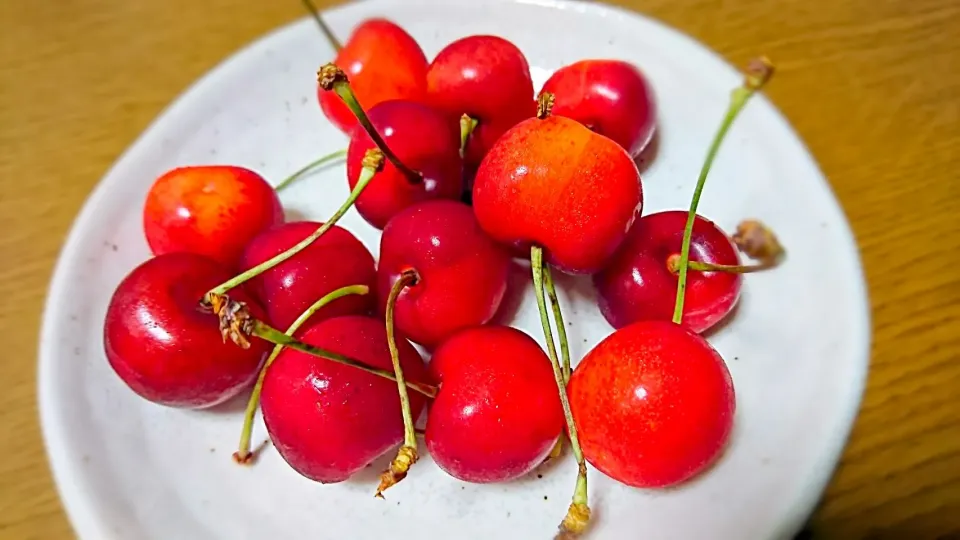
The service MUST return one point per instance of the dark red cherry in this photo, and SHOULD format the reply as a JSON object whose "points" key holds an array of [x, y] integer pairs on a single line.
{"points": [[424, 140], [638, 283], [498, 413], [164, 347], [329, 420], [461, 273], [610, 97], [336, 259], [486, 78]]}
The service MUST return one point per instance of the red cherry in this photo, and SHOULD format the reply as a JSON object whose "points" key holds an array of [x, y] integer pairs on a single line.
{"points": [[209, 210], [639, 284], [556, 184], [498, 413], [329, 420], [461, 274], [424, 140], [486, 78], [384, 63], [164, 347], [610, 97], [653, 404], [336, 259]]}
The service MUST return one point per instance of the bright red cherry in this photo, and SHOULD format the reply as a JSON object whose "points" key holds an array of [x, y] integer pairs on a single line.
{"points": [[328, 420], [497, 414], [461, 273], [336, 259], [384, 63], [653, 404], [610, 97], [209, 210], [640, 284], [486, 78], [554, 183], [164, 347], [424, 140]]}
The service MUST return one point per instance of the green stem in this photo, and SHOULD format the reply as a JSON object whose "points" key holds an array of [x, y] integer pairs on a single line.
{"points": [[268, 333], [558, 319], [729, 268], [333, 78], [366, 175], [409, 435], [309, 167], [580, 493], [327, 32], [738, 100], [467, 125], [243, 453]]}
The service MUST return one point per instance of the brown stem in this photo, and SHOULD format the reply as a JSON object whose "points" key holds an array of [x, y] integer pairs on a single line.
{"points": [[544, 104], [333, 78], [673, 264]]}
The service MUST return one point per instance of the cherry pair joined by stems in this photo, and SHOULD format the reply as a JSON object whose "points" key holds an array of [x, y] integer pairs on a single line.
{"points": [[660, 387], [213, 210]]}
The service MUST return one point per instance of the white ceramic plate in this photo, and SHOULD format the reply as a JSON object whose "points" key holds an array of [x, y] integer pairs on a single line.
{"points": [[797, 346]]}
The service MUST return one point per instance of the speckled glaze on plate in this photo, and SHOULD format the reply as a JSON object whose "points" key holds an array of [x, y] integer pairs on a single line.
{"points": [[797, 345]]}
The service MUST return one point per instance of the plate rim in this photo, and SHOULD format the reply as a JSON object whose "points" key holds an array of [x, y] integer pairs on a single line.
{"points": [[53, 319]]}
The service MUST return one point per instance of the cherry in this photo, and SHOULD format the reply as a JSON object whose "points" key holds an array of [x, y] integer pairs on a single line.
{"points": [[327, 420], [335, 260], [423, 140], [209, 210], [459, 275], [384, 63], [611, 97], [164, 347], [653, 404], [640, 282], [486, 78], [551, 182], [497, 415]]}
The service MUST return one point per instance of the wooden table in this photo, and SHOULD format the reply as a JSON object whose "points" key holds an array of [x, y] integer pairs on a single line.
{"points": [[873, 86]]}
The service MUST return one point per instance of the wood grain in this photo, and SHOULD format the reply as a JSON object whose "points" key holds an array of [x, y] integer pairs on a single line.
{"points": [[873, 86]]}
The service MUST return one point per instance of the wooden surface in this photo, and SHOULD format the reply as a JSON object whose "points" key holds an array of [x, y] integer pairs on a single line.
{"points": [[873, 86]]}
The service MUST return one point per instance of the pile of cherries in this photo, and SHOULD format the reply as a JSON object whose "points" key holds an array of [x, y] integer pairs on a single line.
{"points": [[463, 169]]}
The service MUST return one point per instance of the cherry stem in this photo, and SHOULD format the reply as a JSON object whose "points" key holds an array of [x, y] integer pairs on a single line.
{"points": [[372, 163], [243, 454], [309, 167], [467, 125], [700, 266], [545, 104], [578, 514], [266, 332], [757, 74], [558, 319], [407, 455], [327, 32], [333, 78]]}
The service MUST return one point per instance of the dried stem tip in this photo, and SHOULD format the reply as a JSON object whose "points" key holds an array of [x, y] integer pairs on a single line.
{"points": [[757, 241], [758, 72], [575, 522], [236, 323], [406, 457], [373, 160], [243, 459], [329, 75], [544, 104]]}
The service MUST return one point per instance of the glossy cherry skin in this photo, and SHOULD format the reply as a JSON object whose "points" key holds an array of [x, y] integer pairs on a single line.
{"points": [[328, 420], [164, 347], [556, 184], [653, 404], [497, 414], [336, 259], [610, 97], [638, 284], [209, 210], [488, 78], [382, 62], [423, 139], [462, 273]]}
